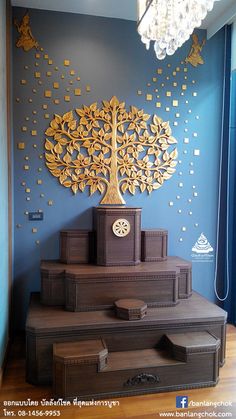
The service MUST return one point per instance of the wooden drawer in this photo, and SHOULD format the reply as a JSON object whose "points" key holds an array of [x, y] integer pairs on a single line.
{"points": [[189, 360]]}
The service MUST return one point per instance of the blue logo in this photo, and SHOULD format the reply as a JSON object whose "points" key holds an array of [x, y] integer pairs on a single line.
{"points": [[182, 401]]}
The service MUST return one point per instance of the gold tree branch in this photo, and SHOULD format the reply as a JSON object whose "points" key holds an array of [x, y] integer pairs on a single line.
{"points": [[153, 169], [138, 180], [75, 139], [101, 179], [100, 118], [69, 166]]}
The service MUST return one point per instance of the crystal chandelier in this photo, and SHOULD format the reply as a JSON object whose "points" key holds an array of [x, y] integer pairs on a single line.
{"points": [[169, 23]]}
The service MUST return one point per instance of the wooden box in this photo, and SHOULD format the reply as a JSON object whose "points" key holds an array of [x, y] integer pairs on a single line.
{"points": [[154, 245], [48, 325], [52, 285], [69, 356], [118, 235], [130, 309], [76, 246], [189, 360], [90, 287]]}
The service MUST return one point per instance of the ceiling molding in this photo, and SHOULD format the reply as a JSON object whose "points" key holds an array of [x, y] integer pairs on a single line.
{"points": [[119, 9], [227, 16], [222, 13]]}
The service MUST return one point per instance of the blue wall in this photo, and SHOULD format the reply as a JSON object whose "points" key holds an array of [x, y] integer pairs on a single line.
{"points": [[230, 303], [233, 62], [108, 55], [3, 190]]}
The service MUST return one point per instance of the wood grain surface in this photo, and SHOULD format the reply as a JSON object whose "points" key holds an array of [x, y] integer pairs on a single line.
{"points": [[146, 407]]}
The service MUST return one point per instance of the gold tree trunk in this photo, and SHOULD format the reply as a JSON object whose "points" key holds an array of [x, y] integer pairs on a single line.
{"points": [[113, 195]]}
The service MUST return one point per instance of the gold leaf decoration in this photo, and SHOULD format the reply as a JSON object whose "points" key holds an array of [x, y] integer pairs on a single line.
{"points": [[110, 150], [194, 57], [26, 39]]}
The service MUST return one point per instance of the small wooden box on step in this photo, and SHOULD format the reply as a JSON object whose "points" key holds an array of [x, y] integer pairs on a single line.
{"points": [[154, 245], [76, 246]]}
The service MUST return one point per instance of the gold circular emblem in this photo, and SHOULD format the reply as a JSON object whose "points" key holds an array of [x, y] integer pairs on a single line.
{"points": [[121, 227]]}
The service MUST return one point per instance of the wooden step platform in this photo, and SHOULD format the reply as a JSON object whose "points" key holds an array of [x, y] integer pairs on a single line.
{"points": [[91, 287], [86, 370], [48, 325]]}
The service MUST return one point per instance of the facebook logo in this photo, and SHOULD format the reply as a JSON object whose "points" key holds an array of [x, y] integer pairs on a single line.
{"points": [[182, 401]]}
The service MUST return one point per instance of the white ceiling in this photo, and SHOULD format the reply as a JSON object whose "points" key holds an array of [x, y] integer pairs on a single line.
{"points": [[223, 11], [121, 9]]}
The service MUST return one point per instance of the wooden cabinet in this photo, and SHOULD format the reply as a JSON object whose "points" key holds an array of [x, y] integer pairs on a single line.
{"points": [[118, 235]]}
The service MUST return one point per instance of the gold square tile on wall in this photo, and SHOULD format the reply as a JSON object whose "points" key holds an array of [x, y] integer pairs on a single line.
{"points": [[48, 93]]}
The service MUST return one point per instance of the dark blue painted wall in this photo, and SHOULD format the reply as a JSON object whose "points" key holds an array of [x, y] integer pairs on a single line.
{"points": [[108, 55]]}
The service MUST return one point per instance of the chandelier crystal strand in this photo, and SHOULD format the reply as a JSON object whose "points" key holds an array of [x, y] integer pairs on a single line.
{"points": [[169, 23]]}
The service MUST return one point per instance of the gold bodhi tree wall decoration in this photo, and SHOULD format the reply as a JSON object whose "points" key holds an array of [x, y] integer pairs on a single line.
{"points": [[111, 150]]}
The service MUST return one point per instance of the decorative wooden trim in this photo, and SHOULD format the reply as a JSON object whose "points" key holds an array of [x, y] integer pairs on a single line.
{"points": [[146, 325], [116, 211], [90, 361], [155, 233], [143, 378], [74, 278], [137, 392]]}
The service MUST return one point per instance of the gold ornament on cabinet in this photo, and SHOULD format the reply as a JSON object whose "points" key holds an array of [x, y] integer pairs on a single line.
{"points": [[26, 39], [121, 227], [111, 150]]}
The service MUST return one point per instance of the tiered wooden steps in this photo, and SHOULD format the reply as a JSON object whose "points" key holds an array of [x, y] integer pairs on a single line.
{"points": [[123, 327], [92, 287], [86, 369], [48, 325]]}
